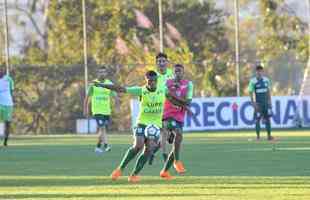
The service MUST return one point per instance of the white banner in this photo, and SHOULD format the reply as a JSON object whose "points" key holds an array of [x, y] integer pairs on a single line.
{"points": [[1, 129], [226, 113], [86, 126]]}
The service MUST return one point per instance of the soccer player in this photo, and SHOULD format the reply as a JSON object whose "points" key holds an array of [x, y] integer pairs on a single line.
{"points": [[164, 73], [100, 100], [6, 103], [150, 112], [259, 89], [180, 94]]}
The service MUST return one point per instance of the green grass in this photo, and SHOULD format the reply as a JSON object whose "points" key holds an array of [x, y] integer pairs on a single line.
{"points": [[220, 166]]}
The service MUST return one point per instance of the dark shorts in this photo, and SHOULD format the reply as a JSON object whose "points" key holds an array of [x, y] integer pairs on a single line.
{"points": [[102, 120], [171, 124], [139, 130], [263, 112]]}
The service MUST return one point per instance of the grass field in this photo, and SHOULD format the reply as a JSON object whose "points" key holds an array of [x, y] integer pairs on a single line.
{"points": [[219, 165]]}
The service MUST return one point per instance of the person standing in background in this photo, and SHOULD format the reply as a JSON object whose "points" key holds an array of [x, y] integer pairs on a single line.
{"points": [[6, 103]]}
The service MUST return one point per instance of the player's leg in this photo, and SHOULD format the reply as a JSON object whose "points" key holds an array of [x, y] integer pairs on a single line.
{"points": [[174, 156], [139, 140], [7, 128], [267, 114], [169, 162], [178, 165], [143, 158], [163, 142], [170, 136], [100, 124], [104, 137], [6, 117], [152, 153], [257, 117], [163, 135]]}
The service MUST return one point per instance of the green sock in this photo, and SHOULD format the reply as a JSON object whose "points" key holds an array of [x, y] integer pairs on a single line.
{"points": [[130, 154], [177, 155], [169, 162], [140, 164], [5, 143], [268, 128], [257, 128]]}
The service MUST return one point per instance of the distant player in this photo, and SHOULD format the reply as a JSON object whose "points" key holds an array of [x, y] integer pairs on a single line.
{"points": [[259, 89], [180, 94], [164, 73], [99, 99], [6, 103], [150, 112]]}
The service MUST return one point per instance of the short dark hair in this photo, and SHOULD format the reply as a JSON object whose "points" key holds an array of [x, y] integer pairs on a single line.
{"points": [[179, 65], [259, 67], [161, 55], [151, 74]]}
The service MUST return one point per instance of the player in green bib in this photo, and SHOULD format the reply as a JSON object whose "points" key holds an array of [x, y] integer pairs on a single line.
{"points": [[99, 100], [151, 111], [164, 73], [259, 89], [6, 103]]}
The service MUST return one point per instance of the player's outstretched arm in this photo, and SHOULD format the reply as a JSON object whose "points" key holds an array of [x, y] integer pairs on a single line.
{"points": [[116, 88]]}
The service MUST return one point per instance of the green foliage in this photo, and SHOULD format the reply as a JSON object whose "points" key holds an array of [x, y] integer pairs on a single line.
{"points": [[205, 46], [43, 94], [281, 31]]}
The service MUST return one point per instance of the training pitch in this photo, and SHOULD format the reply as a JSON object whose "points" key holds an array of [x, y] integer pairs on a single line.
{"points": [[222, 165]]}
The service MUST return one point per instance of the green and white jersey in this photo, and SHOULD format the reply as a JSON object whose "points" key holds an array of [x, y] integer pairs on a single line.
{"points": [[100, 98], [261, 88], [151, 104], [162, 78]]}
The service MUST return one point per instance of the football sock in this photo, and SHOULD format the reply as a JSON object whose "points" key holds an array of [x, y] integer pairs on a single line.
{"points": [[6, 136], [177, 154], [268, 128], [140, 163], [130, 154], [5, 143], [169, 162], [257, 128]]}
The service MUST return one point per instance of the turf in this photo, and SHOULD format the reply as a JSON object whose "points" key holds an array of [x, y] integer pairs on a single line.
{"points": [[220, 166]]}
